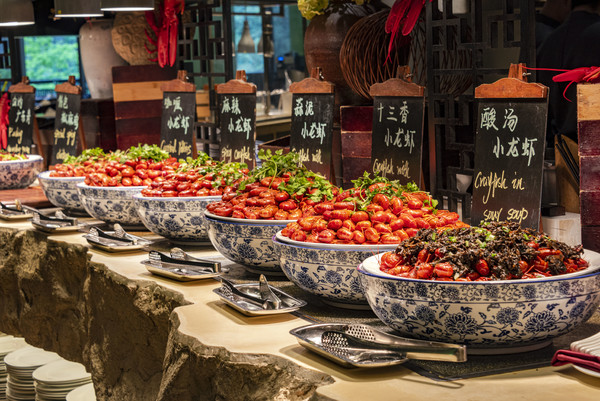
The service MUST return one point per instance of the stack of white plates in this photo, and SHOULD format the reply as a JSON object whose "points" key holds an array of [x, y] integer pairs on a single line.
{"points": [[57, 379], [83, 393], [7, 344], [20, 365]]}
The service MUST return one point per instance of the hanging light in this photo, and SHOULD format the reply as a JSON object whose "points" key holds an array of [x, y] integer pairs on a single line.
{"points": [[127, 5], [16, 12], [77, 8], [246, 43]]}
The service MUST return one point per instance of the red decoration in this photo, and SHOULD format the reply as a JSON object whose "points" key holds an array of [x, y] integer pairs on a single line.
{"points": [[166, 42], [575, 76], [4, 108], [404, 14]]}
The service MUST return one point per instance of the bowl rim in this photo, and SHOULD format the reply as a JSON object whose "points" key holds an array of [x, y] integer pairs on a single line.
{"points": [[281, 239], [83, 185], [30, 158], [45, 175], [140, 196], [261, 222], [588, 272]]}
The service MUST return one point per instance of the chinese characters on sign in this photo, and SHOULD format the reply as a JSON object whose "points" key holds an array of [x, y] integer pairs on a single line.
{"points": [[397, 137], [177, 126], [509, 156], [21, 119], [238, 133], [311, 130], [66, 126]]}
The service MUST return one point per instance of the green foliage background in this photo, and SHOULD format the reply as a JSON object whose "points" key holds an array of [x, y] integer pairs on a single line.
{"points": [[51, 58]]}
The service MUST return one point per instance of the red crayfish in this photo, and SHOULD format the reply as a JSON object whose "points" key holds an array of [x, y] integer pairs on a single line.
{"points": [[166, 42]]}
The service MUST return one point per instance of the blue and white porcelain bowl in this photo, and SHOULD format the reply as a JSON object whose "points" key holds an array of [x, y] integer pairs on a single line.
{"points": [[327, 270], [62, 191], [180, 219], [493, 316], [110, 204], [15, 174], [247, 242]]}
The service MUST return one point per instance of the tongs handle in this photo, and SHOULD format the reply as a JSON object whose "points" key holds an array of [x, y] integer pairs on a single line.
{"points": [[214, 266], [38, 216], [104, 234], [247, 297]]}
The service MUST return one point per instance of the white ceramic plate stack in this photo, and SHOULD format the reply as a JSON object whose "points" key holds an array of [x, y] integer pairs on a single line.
{"points": [[590, 345], [7, 344], [57, 379], [83, 393], [20, 365]]}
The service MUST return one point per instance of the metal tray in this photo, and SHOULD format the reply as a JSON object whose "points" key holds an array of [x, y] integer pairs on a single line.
{"points": [[191, 273], [288, 303], [12, 216], [54, 228], [310, 338]]}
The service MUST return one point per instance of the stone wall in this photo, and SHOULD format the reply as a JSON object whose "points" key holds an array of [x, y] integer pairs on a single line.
{"points": [[125, 331]]}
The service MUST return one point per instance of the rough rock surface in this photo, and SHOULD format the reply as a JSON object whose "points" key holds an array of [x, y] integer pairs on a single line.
{"points": [[125, 331]]}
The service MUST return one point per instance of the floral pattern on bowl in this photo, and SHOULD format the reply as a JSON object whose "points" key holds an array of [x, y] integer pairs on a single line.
{"points": [[110, 204], [178, 219], [328, 273], [62, 191], [247, 242], [492, 314], [15, 174]]}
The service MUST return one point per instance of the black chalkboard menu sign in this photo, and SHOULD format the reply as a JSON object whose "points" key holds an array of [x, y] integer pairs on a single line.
{"points": [[238, 127], [312, 130], [236, 106], [66, 127], [397, 139], [509, 156], [177, 129], [21, 119]]}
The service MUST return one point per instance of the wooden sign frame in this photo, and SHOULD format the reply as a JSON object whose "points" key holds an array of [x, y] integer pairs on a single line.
{"points": [[71, 88], [181, 84], [239, 86], [316, 85], [401, 86], [24, 87], [513, 89]]}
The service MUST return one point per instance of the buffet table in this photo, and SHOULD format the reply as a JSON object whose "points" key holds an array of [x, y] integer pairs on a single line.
{"points": [[144, 337]]}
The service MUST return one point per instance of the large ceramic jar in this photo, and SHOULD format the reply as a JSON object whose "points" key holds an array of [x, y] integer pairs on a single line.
{"points": [[323, 40]]}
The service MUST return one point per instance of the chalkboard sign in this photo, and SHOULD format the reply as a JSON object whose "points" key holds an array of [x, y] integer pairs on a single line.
{"points": [[177, 129], [509, 157], [238, 127], [21, 119], [397, 137], [66, 127], [312, 130], [236, 105], [509, 150]]}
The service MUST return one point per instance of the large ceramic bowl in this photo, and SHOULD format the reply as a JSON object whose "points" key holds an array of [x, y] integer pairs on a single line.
{"points": [[180, 219], [16, 174], [110, 204], [62, 191], [502, 316], [327, 270], [247, 242]]}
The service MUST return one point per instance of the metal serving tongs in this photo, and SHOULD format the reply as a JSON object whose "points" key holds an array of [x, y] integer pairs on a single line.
{"points": [[119, 235], [17, 209], [59, 219], [175, 262], [359, 339], [266, 300]]}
